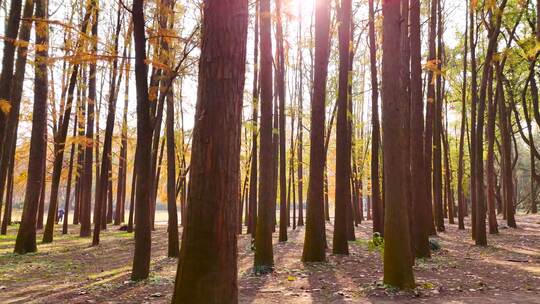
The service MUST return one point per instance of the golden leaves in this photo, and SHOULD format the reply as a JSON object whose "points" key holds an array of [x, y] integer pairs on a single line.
{"points": [[531, 54], [490, 4], [433, 66], [41, 47], [5, 106]]}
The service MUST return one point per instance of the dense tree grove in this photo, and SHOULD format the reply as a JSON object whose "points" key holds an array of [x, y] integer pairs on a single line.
{"points": [[270, 119]]}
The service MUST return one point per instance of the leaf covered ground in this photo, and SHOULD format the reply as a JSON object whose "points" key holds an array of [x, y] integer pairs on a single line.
{"points": [[70, 271]]}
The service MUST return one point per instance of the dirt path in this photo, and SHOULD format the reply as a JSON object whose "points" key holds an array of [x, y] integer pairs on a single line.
{"points": [[69, 271]]}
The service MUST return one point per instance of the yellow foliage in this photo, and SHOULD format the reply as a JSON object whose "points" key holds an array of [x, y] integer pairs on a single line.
{"points": [[5, 106]]}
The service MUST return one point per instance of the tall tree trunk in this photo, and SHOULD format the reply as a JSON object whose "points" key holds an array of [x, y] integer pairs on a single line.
{"points": [[343, 151], [506, 157], [81, 113], [86, 182], [421, 226], [106, 166], [6, 76], [12, 86], [70, 177], [480, 222], [490, 170], [282, 139], [41, 205], [122, 170], [6, 219], [376, 200], [437, 128], [26, 236], [315, 240], [474, 101], [300, 151], [172, 228], [264, 257], [430, 113], [59, 148], [252, 204], [462, 205], [405, 78], [144, 189], [397, 253], [207, 271]]}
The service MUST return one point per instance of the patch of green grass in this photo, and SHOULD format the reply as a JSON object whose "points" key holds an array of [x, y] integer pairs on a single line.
{"points": [[8, 237], [374, 244], [124, 235], [159, 280], [110, 273]]}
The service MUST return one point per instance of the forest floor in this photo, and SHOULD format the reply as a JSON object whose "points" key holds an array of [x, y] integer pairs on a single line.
{"points": [[70, 271]]}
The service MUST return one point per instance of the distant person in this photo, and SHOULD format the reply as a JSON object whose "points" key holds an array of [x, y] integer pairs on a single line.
{"points": [[60, 215]]}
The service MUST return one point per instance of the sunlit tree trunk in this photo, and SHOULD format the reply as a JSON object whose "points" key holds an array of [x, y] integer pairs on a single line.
{"points": [[86, 180], [26, 236], [59, 148], [264, 257], [13, 23], [300, 131], [207, 271], [143, 188], [70, 177], [11, 84], [282, 139], [343, 151], [315, 240]]}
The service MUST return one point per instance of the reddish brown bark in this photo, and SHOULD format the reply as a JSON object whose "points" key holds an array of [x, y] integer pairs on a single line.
{"points": [[421, 226], [397, 252], [26, 236], [343, 150], [315, 240], [376, 200], [207, 271], [264, 258]]}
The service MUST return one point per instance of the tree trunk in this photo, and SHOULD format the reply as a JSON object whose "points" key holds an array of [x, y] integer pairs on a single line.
{"points": [[143, 188], [6, 77], [343, 151], [264, 257], [41, 206], [506, 157], [315, 240], [26, 236], [376, 201], [6, 220], [421, 226], [474, 101], [460, 192], [437, 128], [12, 86], [282, 139], [70, 176], [490, 170], [397, 252], [207, 271], [59, 148], [480, 221], [86, 182], [252, 219]]}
